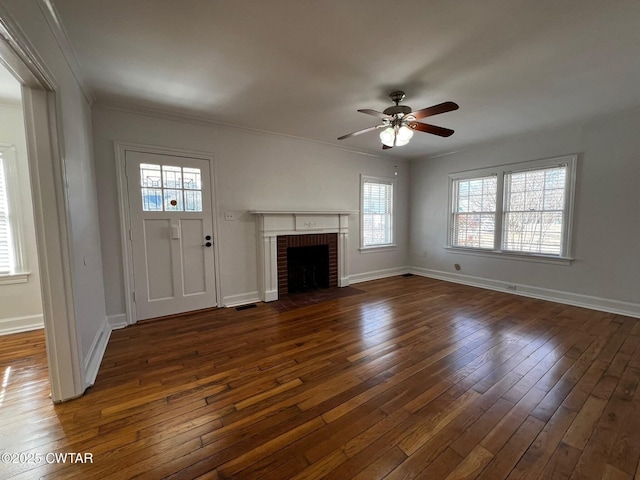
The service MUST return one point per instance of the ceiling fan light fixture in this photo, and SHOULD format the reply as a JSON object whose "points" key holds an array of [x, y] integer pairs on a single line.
{"points": [[394, 136], [399, 122], [388, 136], [403, 135]]}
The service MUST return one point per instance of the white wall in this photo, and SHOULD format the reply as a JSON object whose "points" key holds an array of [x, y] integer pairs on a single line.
{"points": [[253, 171], [80, 190], [21, 303], [606, 237]]}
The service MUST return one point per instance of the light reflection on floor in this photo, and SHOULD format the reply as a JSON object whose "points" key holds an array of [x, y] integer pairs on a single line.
{"points": [[374, 318], [5, 383]]}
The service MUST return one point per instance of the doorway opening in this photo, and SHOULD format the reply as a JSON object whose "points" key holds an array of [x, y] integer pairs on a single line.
{"points": [[50, 216]]}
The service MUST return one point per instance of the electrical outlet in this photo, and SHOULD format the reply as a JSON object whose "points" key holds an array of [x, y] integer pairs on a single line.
{"points": [[229, 216]]}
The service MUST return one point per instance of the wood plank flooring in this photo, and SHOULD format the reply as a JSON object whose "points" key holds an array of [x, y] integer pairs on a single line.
{"points": [[411, 378]]}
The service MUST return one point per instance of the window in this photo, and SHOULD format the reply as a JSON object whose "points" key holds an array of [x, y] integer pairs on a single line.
{"points": [[6, 243], [523, 208], [12, 264], [475, 212], [170, 189], [376, 212]]}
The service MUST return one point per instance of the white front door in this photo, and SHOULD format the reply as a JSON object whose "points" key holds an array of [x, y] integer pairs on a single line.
{"points": [[171, 222]]}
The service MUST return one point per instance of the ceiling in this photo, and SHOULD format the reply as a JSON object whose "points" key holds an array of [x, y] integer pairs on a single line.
{"points": [[303, 68]]}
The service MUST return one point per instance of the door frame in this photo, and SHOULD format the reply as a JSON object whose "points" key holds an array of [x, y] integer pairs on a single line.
{"points": [[45, 152], [121, 149]]}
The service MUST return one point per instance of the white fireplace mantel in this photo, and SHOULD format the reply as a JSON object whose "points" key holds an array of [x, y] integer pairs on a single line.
{"points": [[272, 223]]}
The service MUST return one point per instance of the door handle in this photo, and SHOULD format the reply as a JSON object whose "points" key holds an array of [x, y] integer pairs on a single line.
{"points": [[208, 244]]}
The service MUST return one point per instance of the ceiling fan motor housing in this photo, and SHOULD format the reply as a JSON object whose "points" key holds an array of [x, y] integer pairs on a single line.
{"points": [[397, 109]]}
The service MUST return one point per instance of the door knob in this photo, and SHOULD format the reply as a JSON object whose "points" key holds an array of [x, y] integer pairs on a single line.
{"points": [[208, 244], [208, 237]]}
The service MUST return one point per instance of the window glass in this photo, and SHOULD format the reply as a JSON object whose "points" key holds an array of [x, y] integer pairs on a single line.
{"points": [[170, 188], [377, 212], [474, 212], [6, 241], [534, 210]]}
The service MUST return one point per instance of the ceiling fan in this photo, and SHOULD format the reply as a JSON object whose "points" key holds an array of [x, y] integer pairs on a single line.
{"points": [[399, 122]]}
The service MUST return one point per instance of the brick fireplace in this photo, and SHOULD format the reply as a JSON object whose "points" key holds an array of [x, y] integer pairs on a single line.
{"points": [[312, 280], [278, 231]]}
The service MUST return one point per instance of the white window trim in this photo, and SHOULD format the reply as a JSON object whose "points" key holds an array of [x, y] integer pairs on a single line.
{"points": [[386, 246], [21, 272], [569, 160]]}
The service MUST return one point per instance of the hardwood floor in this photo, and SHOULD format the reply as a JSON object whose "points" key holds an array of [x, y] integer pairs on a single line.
{"points": [[412, 378]]}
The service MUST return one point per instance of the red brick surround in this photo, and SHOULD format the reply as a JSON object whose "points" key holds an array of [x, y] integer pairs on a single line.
{"points": [[309, 240]]}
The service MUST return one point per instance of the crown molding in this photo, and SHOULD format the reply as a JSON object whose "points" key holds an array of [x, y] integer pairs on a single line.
{"points": [[62, 39], [203, 120]]}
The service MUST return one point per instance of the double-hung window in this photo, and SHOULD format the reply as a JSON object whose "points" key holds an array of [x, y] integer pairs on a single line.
{"points": [[522, 209], [12, 264], [376, 212], [474, 216]]}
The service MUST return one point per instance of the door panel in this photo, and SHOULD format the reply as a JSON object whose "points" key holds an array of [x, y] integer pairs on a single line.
{"points": [[171, 214], [156, 249], [193, 256]]}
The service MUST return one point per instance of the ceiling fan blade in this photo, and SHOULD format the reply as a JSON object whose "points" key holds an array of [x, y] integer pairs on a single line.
{"points": [[359, 132], [368, 111], [386, 147], [435, 110], [435, 130]]}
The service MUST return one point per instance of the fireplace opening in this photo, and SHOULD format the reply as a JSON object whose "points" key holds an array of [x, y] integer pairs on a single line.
{"points": [[307, 268], [307, 273]]}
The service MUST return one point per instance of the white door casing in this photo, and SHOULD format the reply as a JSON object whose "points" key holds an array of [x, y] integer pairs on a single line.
{"points": [[170, 216]]}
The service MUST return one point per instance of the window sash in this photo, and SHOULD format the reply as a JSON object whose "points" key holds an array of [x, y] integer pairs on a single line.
{"points": [[6, 243], [473, 212], [377, 212], [534, 210]]}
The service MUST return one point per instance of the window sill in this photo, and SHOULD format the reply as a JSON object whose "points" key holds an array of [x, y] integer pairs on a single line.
{"points": [[11, 278], [526, 257], [378, 248]]}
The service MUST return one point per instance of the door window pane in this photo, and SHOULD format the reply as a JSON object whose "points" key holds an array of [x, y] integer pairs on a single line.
{"points": [[152, 199], [170, 188], [171, 177]]}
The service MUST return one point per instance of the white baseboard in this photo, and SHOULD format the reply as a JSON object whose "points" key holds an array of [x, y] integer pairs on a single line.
{"points": [[21, 324], [377, 274], [96, 352], [241, 299], [117, 321], [587, 301]]}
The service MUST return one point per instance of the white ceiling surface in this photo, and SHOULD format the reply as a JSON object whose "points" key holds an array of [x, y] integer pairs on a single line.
{"points": [[303, 67]]}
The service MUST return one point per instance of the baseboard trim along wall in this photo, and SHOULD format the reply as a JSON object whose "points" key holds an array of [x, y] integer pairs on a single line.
{"points": [[231, 301], [21, 324], [378, 274], [98, 348], [595, 303], [96, 353], [117, 321]]}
